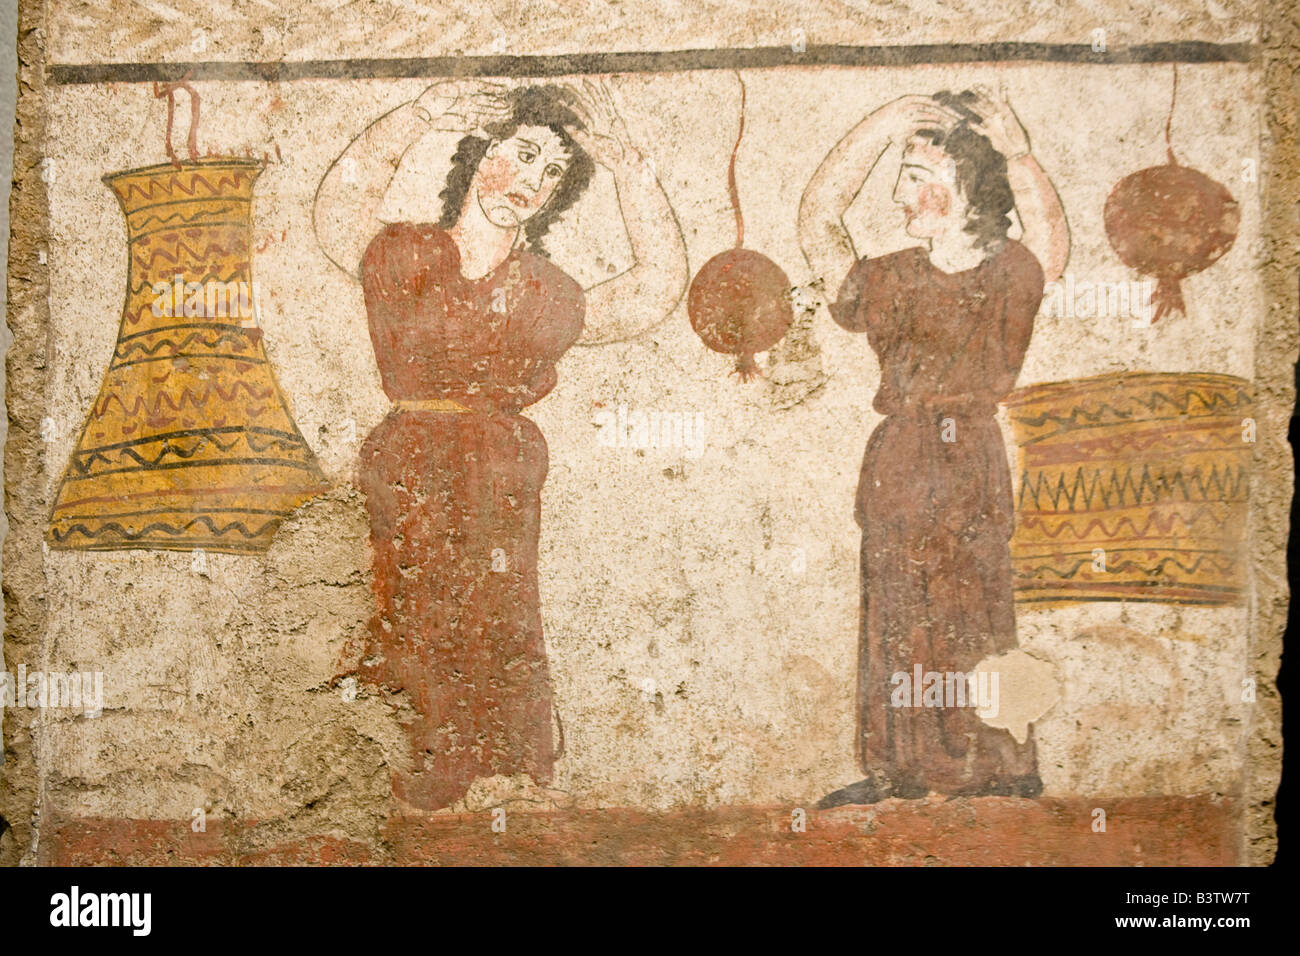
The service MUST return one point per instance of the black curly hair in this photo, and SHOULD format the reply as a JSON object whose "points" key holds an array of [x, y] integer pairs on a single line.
{"points": [[549, 106], [981, 170]]}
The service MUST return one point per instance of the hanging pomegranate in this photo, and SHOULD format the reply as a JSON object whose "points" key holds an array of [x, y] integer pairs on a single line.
{"points": [[1169, 222], [739, 301]]}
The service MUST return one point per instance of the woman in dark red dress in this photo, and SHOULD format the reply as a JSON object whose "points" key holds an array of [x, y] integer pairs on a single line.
{"points": [[468, 318], [950, 322]]}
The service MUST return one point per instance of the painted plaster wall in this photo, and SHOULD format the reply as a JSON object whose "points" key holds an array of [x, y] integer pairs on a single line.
{"points": [[700, 605]]}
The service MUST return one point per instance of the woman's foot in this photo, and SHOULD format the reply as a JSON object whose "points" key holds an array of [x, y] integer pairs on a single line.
{"points": [[1027, 786], [870, 790]]}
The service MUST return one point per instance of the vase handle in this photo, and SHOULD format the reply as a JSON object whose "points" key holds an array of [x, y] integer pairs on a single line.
{"points": [[192, 140]]}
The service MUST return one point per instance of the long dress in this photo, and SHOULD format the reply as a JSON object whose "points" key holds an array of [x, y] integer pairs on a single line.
{"points": [[937, 515], [453, 478]]}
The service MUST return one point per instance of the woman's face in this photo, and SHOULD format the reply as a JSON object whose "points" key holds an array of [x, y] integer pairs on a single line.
{"points": [[517, 176], [927, 190]]}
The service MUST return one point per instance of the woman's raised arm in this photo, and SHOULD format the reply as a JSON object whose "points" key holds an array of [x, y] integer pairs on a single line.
{"points": [[345, 213], [645, 294], [825, 241], [1044, 230]]}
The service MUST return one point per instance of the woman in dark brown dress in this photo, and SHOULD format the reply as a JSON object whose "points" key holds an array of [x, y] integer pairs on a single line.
{"points": [[950, 321], [468, 318]]}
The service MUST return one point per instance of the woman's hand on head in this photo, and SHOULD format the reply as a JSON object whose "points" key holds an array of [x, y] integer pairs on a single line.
{"points": [[907, 114], [462, 106], [605, 138], [1000, 123]]}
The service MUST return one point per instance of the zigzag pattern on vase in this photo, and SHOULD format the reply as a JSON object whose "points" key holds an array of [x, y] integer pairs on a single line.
{"points": [[1132, 487], [136, 188], [1116, 487]]}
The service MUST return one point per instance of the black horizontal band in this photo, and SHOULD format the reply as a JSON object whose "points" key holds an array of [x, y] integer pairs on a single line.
{"points": [[665, 61]]}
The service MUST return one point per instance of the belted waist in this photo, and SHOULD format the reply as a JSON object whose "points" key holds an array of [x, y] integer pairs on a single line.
{"points": [[938, 408], [429, 405]]}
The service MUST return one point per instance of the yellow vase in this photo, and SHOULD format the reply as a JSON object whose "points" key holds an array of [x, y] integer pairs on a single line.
{"points": [[190, 443], [1133, 487]]}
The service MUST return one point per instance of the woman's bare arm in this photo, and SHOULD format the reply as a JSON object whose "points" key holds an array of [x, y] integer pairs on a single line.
{"points": [[823, 237], [345, 213], [1044, 230], [645, 294], [1042, 217]]}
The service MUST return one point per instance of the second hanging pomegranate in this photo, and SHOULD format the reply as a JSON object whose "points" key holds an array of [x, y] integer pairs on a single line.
{"points": [[739, 301]]}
